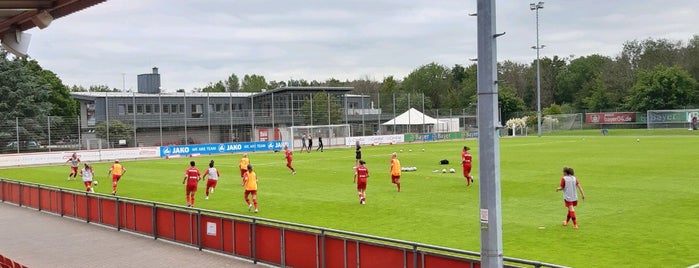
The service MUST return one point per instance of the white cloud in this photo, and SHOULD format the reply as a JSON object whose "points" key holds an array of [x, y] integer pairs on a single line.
{"points": [[197, 42]]}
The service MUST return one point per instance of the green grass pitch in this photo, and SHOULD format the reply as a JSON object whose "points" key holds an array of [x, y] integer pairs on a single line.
{"points": [[641, 207]]}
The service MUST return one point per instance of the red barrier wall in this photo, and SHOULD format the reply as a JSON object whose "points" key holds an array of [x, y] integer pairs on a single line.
{"points": [[269, 244], [242, 239], [380, 256], [184, 224], [165, 223], [300, 249], [211, 238]]}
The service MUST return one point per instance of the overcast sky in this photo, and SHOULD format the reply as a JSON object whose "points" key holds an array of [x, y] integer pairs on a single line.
{"points": [[197, 42]]}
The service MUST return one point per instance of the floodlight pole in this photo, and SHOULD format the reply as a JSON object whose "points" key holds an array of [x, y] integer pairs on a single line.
{"points": [[536, 7], [488, 139]]}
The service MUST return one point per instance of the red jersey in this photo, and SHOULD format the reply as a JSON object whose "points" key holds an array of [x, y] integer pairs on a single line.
{"points": [[466, 158], [362, 173], [288, 155], [192, 174]]}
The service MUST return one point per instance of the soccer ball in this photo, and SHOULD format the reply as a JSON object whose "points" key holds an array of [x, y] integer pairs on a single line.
{"points": [[95, 183], [638, 140], [410, 150], [451, 170], [444, 170], [423, 149]]}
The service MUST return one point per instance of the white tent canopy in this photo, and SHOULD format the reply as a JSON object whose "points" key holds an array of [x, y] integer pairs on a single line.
{"points": [[412, 117]]}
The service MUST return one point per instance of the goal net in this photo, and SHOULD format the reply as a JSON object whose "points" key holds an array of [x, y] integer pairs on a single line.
{"points": [[670, 118], [332, 135], [558, 122]]}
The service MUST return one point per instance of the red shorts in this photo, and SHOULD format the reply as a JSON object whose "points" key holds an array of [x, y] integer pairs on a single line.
{"points": [[211, 183], [87, 183], [568, 203], [242, 172], [467, 171], [395, 179], [247, 192], [361, 185], [115, 177], [73, 170], [191, 188]]}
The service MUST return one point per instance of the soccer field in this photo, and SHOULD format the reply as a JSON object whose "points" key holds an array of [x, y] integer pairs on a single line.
{"points": [[640, 208]]}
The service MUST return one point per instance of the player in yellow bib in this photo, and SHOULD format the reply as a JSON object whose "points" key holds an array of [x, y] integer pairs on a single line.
{"points": [[395, 170], [250, 184]]}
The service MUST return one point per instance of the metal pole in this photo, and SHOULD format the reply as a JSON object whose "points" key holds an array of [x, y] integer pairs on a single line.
{"points": [[48, 124], [488, 142], [538, 47], [410, 121], [363, 108], [230, 114], [160, 118], [252, 117], [106, 115], [17, 132], [394, 113], [208, 114], [272, 118], [134, 116], [184, 99]]}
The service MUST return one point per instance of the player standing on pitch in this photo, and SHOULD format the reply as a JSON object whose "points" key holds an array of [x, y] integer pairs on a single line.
{"points": [[303, 143], [74, 161], [568, 184], [357, 153], [192, 177], [211, 182], [250, 184], [244, 162], [116, 170], [88, 173], [466, 160], [395, 170], [361, 173], [289, 156]]}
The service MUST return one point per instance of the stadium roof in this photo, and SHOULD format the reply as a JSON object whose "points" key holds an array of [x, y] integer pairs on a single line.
{"points": [[22, 15]]}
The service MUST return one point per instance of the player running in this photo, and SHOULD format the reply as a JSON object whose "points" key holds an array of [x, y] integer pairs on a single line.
{"points": [[466, 161], [250, 184], [395, 170], [74, 161], [192, 177], [570, 197], [289, 157], [243, 165], [87, 173], [361, 173], [116, 170], [211, 182]]}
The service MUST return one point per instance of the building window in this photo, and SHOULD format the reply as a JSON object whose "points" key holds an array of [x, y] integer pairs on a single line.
{"points": [[139, 109], [156, 108], [173, 109], [129, 109], [121, 109], [219, 107], [211, 108], [181, 108], [226, 107], [166, 108], [149, 108], [197, 110]]}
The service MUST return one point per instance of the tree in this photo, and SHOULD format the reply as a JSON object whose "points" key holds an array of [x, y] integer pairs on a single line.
{"points": [[232, 83], [573, 81], [117, 131], [59, 96], [662, 88], [432, 79], [253, 83], [320, 109], [218, 87], [599, 98], [510, 105], [23, 94]]}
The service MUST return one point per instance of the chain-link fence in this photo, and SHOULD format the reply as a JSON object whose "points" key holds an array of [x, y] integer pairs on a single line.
{"points": [[123, 120]]}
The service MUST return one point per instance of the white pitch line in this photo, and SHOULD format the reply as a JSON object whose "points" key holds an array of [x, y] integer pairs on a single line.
{"points": [[694, 266]]}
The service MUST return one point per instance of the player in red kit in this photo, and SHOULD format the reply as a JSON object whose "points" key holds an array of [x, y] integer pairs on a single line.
{"points": [[74, 161], [570, 197], [192, 177], [466, 160], [288, 156], [361, 173], [211, 182]]}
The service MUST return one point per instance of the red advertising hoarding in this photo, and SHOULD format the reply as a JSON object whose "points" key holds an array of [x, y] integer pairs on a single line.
{"points": [[610, 118]]}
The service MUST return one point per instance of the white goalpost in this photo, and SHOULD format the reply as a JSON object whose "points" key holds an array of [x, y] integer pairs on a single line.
{"points": [[332, 135], [559, 122]]}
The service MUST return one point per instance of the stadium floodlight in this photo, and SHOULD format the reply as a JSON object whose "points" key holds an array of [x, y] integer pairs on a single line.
{"points": [[536, 7]]}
